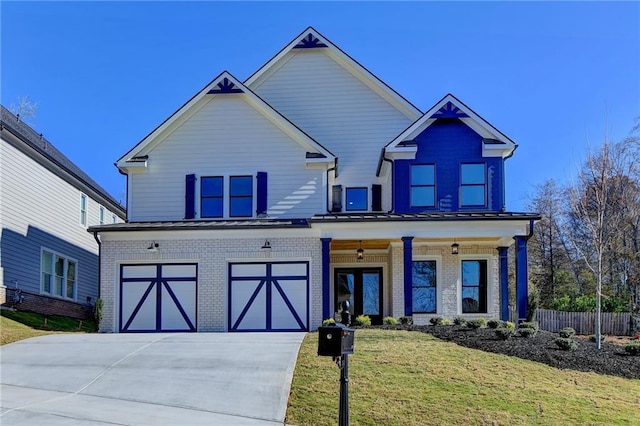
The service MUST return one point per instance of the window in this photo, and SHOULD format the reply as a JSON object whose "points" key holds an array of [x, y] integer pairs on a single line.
{"points": [[424, 286], [474, 286], [241, 196], [101, 215], [423, 185], [58, 275], [211, 196], [83, 210], [473, 185], [113, 218], [357, 198]]}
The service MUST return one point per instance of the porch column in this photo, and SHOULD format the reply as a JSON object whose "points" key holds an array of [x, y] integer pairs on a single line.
{"points": [[504, 283], [408, 275], [326, 278], [522, 291]]}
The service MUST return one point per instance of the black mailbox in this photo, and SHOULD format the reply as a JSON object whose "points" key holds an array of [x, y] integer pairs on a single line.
{"points": [[335, 340]]}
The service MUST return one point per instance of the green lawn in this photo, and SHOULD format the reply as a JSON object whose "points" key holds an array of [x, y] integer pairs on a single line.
{"points": [[16, 326], [412, 378]]}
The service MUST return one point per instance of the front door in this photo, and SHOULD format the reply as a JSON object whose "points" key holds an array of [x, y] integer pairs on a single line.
{"points": [[362, 287]]}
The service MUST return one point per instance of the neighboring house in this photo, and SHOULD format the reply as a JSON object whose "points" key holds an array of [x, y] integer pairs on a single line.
{"points": [[262, 205], [48, 261]]}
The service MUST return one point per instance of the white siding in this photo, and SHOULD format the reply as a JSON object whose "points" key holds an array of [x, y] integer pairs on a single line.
{"points": [[335, 108], [226, 136]]}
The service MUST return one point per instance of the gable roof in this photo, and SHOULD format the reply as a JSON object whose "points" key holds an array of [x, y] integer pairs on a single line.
{"points": [[451, 107], [41, 150], [222, 85], [312, 39]]}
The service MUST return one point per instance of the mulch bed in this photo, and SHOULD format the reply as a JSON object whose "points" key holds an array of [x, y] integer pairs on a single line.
{"points": [[610, 359]]}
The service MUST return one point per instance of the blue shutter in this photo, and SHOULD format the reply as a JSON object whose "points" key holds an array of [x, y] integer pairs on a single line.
{"points": [[261, 202], [376, 198], [336, 205], [190, 197]]}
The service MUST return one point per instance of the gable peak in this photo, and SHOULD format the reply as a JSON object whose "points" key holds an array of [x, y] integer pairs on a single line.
{"points": [[449, 110], [310, 40], [226, 84]]}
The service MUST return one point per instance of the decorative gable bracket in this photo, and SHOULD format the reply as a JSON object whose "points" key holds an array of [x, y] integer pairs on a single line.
{"points": [[225, 86], [309, 42]]}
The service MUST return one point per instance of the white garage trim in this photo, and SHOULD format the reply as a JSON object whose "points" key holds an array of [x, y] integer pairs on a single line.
{"points": [[269, 296], [158, 297]]}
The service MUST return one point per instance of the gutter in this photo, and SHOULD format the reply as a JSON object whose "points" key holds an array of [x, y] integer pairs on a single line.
{"points": [[95, 236]]}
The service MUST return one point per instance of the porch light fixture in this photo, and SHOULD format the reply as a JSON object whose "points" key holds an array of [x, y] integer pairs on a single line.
{"points": [[454, 247], [266, 245], [153, 247], [360, 252]]}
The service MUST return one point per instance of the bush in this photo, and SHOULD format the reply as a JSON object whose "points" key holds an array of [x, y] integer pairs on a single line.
{"points": [[593, 337], [446, 322], [328, 321], [406, 320], [362, 320], [504, 333], [97, 312], [528, 324], [459, 321], [436, 320], [495, 323], [510, 324], [389, 321], [632, 348], [587, 303], [527, 332], [567, 332], [566, 344], [533, 300], [476, 323]]}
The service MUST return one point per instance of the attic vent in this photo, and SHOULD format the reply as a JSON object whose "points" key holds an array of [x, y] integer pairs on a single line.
{"points": [[315, 155], [309, 42], [225, 86], [449, 111]]}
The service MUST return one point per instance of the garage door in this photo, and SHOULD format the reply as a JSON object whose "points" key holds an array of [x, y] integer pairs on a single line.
{"points": [[158, 297], [269, 296]]}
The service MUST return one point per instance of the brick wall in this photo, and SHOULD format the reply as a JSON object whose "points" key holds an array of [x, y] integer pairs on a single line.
{"points": [[46, 305]]}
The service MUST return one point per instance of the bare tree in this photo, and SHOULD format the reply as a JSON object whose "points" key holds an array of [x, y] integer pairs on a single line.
{"points": [[24, 109]]}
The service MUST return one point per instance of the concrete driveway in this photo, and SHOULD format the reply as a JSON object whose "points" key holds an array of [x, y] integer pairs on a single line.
{"points": [[148, 379]]}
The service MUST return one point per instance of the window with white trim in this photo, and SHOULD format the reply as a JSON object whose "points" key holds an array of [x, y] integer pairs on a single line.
{"points": [[241, 196], [356, 198], [58, 275], [83, 210], [424, 292], [101, 215], [473, 185], [423, 185], [474, 286], [113, 218]]}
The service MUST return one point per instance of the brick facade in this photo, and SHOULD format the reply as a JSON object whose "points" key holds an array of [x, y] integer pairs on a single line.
{"points": [[45, 305]]}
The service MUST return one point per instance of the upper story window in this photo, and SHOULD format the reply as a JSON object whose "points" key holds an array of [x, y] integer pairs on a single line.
{"points": [[212, 196], [424, 286], [474, 286], [241, 196], [473, 185], [423, 185], [113, 218], [356, 199], [83, 210], [101, 215], [58, 276]]}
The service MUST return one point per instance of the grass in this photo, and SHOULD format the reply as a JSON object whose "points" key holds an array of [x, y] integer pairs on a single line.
{"points": [[16, 326], [410, 378]]}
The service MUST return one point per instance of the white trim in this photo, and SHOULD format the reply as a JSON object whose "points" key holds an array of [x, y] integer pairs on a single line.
{"points": [[490, 281], [66, 259], [439, 284], [84, 210]]}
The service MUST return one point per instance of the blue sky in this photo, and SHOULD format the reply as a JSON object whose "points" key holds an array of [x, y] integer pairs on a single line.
{"points": [[555, 77]]}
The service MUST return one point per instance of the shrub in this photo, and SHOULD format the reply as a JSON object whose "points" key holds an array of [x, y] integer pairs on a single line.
{"points": [[459, 321], [510, 324], [406, 320], [446, 322], [567, 332], [389, 321], [362, 320], [529, 324], [533, 300], [436, 320], [476, 323], [593, 337], [527, 332], [97, 312], [504, 333], [566, 344], [494, 323], [632, 348], [328, 321]]}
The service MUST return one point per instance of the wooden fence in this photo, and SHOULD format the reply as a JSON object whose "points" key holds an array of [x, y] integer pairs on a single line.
{"points": [[583, 322]]}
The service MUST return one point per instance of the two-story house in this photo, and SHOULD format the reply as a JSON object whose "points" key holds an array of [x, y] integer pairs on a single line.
{"points": [[261, 205], [48, 261]]}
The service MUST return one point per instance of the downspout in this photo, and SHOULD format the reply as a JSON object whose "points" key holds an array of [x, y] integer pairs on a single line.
{"points": [[335, 175], [393, 192], [95, 236]]}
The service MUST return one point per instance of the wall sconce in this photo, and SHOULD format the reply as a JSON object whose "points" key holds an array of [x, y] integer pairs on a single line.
{"points": [[266, 245], [153, 247], [360, 252], [454, 247]]}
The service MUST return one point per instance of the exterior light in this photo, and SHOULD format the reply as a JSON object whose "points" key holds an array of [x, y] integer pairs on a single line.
{"points": [[153, 247], [266, 245], [454, 248], [360, 252]]}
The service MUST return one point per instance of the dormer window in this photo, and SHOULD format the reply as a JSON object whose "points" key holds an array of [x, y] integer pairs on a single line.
{"points": [[356, 199], [423, 185], [240, 196], [473, 185]]}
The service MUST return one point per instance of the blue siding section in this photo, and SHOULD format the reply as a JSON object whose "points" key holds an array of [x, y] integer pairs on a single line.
{"points": [[21, 261], [447, 143]]}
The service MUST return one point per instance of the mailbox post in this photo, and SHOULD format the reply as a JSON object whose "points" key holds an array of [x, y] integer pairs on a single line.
{"points": [[336, 340]]}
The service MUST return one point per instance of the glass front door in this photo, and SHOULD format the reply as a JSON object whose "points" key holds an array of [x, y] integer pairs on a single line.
{"points": [[362, 287]]}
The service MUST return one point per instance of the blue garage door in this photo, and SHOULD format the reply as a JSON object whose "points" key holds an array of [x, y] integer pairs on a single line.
{"points": [[158, 297], [269, 296]]}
